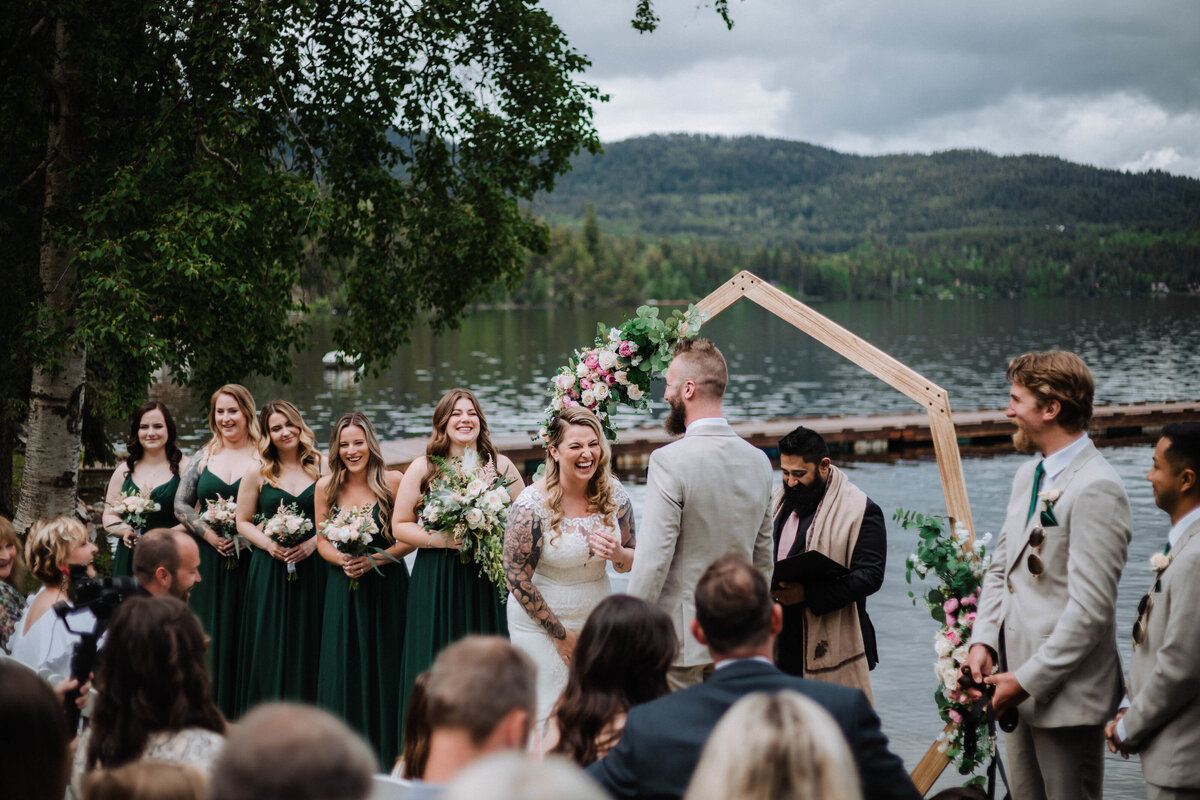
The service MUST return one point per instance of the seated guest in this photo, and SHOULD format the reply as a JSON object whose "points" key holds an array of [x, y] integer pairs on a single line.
{"points": [[480, 699], [147, 780], [153, 698], [34, 760], [12, 582], [41, 640], [772, 746], [167, 561], [621, 659], [738, 622], [285, 751], [513, 776], [411, 764]]}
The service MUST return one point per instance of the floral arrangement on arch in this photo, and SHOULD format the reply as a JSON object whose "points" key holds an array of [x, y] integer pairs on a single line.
{"points": [[619, 366], [959, 568]]}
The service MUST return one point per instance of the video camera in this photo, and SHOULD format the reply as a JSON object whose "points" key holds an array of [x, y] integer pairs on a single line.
{"points": [[100, 597]]}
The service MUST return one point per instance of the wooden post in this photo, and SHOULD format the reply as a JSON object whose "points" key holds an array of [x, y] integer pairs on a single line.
{"points": [[929, 395]]}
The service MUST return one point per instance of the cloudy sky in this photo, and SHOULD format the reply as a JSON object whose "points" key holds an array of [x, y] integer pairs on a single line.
{"points": [[1114, 83]]}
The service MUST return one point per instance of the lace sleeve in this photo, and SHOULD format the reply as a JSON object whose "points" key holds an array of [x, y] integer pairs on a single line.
{"points": [[522, 548], [625, 523]]}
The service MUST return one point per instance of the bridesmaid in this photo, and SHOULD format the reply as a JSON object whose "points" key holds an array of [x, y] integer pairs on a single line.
{"points": [[281, 619], [360, 656], [152, 466], [447, 599], [215, 471]]}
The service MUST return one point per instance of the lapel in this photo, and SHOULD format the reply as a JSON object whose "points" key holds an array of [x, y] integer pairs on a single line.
{"points": [[1064, 481]]}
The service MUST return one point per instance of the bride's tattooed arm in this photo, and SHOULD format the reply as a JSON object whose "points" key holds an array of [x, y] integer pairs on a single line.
{"points": [[522, 548]]}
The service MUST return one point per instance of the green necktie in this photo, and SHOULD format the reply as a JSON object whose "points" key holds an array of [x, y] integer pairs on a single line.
{"points": [[1037, 482]]}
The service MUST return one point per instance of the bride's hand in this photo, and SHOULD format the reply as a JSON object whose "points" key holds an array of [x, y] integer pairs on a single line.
{"points": [[566, 646], [604, 544]]}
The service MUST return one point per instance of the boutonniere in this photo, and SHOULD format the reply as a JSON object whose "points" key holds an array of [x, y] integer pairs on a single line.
{"points": [[1049, 497], [1159, 563]]}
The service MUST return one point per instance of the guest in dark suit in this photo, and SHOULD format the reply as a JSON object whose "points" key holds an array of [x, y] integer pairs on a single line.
{"points": [[827, 634], [737, 621]]}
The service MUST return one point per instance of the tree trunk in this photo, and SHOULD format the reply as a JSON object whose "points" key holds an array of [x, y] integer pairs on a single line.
{"points": [[56, 396]]}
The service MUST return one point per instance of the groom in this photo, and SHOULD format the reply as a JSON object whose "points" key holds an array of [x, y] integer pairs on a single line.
{"points": [[1046, 610], [707, 494]]}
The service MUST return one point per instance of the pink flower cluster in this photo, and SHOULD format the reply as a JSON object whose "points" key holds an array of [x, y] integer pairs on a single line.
{"points": [[964, 617]]}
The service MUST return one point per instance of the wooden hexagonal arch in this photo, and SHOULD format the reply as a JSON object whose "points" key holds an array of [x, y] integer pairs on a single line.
{"points": [[895, 374]]}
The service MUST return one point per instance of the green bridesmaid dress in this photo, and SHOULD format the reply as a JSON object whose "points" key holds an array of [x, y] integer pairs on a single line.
{"points": [[281, 619], [447, 600], [360, 651], [217, 600], [164, 495]]}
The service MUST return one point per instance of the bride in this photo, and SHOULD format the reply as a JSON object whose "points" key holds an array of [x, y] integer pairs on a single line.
{"points": [[561, 531]]}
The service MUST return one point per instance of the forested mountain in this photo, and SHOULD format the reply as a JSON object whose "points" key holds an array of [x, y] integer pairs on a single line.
{"points": [[754, 191]]}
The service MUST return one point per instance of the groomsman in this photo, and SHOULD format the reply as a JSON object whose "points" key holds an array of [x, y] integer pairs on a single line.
{"points": [[1160, 718], [707, 494], [1046, 611]]}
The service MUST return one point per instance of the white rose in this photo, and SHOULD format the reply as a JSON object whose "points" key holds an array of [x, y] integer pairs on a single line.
{"points": [[635, 392], [556, 404], [293, 524], [589, 398], [476, 488], [614, 335], [942, 646], [960, 654], [474, 518], [582, 370], [635, 360], [600, 391], [622, 377], [496, 500], [608, 359]]}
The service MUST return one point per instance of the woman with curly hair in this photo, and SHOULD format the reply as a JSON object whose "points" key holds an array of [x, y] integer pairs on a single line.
{"points": [[152, 469], [285, 587], [447, 599], [41, 640], [215, 473], [12, 582], [153, 692], [561, 533]]}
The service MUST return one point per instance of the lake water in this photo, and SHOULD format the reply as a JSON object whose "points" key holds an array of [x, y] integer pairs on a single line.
{"points": [[1140, 349]]}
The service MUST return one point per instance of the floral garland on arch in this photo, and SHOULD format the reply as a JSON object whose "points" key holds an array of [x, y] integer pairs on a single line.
{"points": [[619, 366], [959, 569]]}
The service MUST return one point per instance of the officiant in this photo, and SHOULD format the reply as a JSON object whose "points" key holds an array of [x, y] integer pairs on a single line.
{"points": [[826, 634]]}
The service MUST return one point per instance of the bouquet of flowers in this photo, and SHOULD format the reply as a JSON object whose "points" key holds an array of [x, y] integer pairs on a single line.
{"points": [[288, 528], [959, 567], [221, 516], [470, 501], [351, 530], [617, 369], [133, 508]]}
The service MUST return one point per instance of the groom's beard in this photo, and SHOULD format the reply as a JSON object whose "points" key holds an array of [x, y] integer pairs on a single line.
{"points": [[1022, 442], [676, 421], [804, 499]]}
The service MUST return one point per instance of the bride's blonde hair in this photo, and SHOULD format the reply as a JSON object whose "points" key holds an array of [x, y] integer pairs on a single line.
{"points": [[599, 494]]}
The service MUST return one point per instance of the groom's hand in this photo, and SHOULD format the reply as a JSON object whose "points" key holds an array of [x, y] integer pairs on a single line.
{"points": [[789, 594], [1008, 691]]}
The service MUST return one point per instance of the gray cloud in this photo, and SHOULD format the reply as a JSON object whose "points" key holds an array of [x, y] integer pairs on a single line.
{"points": [[1050, 76]]}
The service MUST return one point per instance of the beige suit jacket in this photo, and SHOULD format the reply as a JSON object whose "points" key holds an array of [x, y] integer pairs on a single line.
{"points": [[1059, 633], [1163, 720], [707, 494]]}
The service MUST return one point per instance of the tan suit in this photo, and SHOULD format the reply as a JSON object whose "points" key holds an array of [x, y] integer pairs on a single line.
{"points": [[1163, 720], [1057, 631], [707, 494]]}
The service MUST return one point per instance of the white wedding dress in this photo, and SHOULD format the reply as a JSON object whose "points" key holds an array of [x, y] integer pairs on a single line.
{"points": [[572, 582]]}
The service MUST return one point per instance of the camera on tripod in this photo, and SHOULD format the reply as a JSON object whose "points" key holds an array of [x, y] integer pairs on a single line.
{"points": [[96, 598]]}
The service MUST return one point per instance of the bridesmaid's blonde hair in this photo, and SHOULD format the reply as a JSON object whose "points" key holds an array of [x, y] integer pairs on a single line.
{"points": [[310, 457]]}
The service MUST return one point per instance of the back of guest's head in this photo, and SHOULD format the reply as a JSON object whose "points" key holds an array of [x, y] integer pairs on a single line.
{"points": [[620, 660], [416, 730], [961, 793], [1183, 452], [157, 548], [806, 444], [775, 746], [1057, 376], [153, 678], [34, 761], [733, 605], [48, 546], [285, 751], [513, 776], [478, 681], [698, 360], [8, 538], [146, 780]]}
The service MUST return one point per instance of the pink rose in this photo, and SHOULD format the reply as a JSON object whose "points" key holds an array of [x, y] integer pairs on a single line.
{"points": [[954, 716], [592, 361], [950, 606], [951, 621], [627, 349], [568, 402], [953, 638], [967, 618], [610, 379], [585, 384], [970, 600]]}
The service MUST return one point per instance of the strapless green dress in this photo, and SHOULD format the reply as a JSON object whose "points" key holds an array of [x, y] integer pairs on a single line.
{"points": [[447, 600], [164, 495], [360, 651], [280, 642], [217, 600]]}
